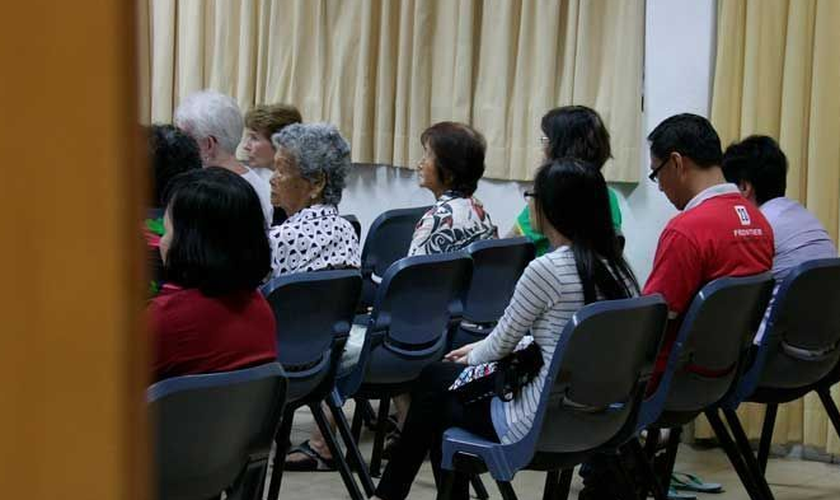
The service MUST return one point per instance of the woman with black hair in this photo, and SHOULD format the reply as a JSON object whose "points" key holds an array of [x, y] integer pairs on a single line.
{"points": [[570, 205], [574, 132], [209, 316]]}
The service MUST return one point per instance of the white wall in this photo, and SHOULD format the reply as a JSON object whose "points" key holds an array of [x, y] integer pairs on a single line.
{"points": [[679, 54]]}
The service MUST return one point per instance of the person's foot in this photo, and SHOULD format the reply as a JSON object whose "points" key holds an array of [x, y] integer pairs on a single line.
{"points": [[305, 457]]}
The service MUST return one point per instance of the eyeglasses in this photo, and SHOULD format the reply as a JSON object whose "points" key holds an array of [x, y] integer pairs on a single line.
{"points": [[543, 140], [654, 174], [529, 194]]}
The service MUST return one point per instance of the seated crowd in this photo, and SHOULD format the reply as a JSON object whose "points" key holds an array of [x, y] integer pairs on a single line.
{"points": [[219, 238]]}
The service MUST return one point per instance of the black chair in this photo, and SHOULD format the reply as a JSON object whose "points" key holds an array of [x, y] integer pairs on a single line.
{"points": [[419, 299], [497, 266], [798, 353], [314, 313], [213, 433], [357, 226], [706, 361], [387, 241], [588, 405]]}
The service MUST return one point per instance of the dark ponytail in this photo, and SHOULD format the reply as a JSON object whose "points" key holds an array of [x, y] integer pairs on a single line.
{"points": [[572, 197]]}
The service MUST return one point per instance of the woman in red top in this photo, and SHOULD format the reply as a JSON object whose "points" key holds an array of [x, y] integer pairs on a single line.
{"points": [[210, 317]]}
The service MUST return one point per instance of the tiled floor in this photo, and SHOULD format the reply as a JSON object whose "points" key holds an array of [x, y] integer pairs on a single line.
{"points": [[790, 479]]}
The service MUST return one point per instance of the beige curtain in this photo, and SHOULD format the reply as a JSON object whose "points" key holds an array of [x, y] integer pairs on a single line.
{"points": [[383, 70], [778, 73]]}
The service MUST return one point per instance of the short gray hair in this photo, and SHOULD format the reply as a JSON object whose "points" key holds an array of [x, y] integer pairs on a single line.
{"points": [[318, 149], [209, 113]]}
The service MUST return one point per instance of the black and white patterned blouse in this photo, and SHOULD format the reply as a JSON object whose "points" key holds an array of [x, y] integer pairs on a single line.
{"points": [[314, 239], [451, 224]]}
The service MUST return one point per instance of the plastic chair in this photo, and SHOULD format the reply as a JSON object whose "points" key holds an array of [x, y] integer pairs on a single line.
{"points": [[387, 241], [589, 404], [706, 361], [798, 353], [419, 299], [314, 313], [497, 266], [357, 226], [214, 432]]}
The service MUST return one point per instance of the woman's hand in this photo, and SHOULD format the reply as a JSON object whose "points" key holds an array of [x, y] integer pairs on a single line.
{"points": [[460, 354]]}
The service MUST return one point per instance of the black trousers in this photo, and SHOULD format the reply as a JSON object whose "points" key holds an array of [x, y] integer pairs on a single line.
{"points": [[433, 410]]}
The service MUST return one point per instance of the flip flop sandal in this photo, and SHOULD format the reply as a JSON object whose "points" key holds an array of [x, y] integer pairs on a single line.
{"points": [[392, 439], [691, 482], [313, 462], [676, 495]]}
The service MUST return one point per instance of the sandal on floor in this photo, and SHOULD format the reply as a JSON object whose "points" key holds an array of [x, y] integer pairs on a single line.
{"points": [[314, 461], [676, 495], [392, 439], [689, 482]]}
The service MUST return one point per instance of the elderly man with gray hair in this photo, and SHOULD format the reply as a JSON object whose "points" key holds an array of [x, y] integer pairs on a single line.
{"points": [[215, 122], [310, 167]]}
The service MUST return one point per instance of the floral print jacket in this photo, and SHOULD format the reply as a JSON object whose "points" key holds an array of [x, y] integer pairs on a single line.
{"points": [[451, 224]]}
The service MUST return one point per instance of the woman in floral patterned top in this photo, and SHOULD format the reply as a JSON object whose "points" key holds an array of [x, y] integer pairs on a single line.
{"points": [[452, 164]]}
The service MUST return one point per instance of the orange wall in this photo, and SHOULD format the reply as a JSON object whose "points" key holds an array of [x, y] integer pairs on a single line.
{"points": [[72, 355]]}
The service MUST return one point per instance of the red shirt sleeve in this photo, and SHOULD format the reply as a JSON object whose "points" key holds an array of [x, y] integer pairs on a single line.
{"points": [[677, 270]]}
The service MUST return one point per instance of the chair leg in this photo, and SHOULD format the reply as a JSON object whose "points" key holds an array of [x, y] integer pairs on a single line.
{"points": [[735, 458], [335, 450], [830, 408], [652, 441], [368, 414], [379, 438], [671, 456], [478, 487], [358, 421], [280, 449], [447, 482], [766, 436], [564, 485], [624, 481], [747, 454], [648, 475], [507, 490], [354, 456], [552, 484]]}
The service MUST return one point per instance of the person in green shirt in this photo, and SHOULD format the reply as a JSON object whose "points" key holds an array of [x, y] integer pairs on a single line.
{"points": [[577, 132]]}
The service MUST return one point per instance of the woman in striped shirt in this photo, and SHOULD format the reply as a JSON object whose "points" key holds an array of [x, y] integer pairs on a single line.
{"points": [[570, 205]]}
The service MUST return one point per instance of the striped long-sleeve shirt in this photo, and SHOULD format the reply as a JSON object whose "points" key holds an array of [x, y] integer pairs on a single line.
{"points": [[546, 296]]}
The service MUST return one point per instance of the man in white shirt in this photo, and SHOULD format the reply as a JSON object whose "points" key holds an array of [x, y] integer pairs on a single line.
{"points": [[215, 122]]}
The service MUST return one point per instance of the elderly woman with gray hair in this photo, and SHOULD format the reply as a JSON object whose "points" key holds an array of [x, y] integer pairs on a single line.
{"points": [[310, 166], [215, 122]]}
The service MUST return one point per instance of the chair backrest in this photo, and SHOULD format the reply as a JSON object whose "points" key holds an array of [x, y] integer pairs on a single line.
{"points": [[801, 343], [713, 342], [387, 241], [607, 361], [357, 226], [415, 304], [209, 426], [313, 312], [603, 360], [497, 266]]}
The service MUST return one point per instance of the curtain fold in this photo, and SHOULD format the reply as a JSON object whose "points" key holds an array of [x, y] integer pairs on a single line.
{"points": [[382, 71], [778, 73]]}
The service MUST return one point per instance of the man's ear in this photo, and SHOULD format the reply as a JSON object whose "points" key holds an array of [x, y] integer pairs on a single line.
{"points": [[747, 190], [679, 163]]}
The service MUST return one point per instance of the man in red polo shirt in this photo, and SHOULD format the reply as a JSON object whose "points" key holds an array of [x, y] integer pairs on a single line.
{"points": [[718, 233]]}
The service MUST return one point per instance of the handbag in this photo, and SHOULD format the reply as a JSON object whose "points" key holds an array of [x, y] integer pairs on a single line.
{"points": [[502, 379]]}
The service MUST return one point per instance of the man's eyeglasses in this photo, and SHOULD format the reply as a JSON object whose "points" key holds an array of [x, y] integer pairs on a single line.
{"points": [[654, 174]]}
